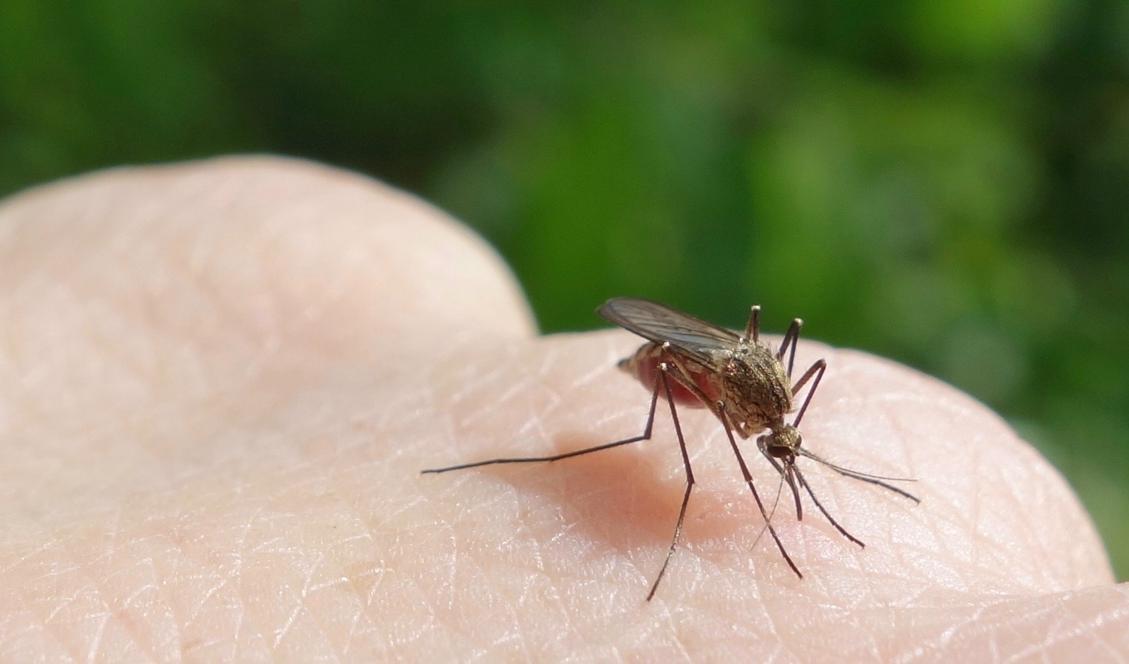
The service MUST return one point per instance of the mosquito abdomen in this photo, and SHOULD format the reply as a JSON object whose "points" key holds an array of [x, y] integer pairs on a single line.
{"points": [[644, 367]]}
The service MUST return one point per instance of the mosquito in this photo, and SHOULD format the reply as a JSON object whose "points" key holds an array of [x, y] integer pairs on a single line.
{"points": [[741, 380]]}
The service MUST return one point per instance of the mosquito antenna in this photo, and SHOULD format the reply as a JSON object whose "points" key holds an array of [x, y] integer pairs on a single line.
{"points": [[866, 477], [856, 473]]}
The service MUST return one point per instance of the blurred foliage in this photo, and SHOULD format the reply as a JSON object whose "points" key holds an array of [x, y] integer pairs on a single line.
{"points": [[944, 183]]}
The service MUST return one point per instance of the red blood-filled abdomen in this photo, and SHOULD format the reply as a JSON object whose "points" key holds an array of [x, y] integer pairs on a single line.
{"points": [[644, 366]]}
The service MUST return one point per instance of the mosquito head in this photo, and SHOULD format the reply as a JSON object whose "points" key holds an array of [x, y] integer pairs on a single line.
{"points": [[782, 442]]}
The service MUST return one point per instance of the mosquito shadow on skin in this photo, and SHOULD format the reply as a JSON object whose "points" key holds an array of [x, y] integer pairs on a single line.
{"points": [[617, 498]]}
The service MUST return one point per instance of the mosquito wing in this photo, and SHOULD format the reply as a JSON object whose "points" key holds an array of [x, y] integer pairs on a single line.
{"points": [[659, 323]]}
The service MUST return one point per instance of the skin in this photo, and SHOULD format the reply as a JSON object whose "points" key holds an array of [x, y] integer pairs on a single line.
{"points": [[219, 382]]}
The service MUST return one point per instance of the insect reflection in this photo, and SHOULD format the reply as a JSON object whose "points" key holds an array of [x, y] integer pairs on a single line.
{"points": [[742, 381]]}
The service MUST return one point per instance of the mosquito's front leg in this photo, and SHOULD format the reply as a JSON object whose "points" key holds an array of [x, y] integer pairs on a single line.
{"points": [[791, 337], [753, 327]]}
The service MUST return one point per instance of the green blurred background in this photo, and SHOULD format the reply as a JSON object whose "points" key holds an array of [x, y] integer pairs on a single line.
{"points": [[944, 183]]}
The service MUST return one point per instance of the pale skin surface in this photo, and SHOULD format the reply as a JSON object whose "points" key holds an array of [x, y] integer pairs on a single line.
{"points": [[219, 382]]}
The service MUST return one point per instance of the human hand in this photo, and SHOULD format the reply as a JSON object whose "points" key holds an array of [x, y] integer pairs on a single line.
{"points": [[219, 382]]}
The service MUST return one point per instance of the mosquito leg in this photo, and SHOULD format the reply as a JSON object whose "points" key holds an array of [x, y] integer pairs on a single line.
{"points": [[753, 327], [799, 384], [665, 368], [752, 487], [807, 487], [646, 435], [817, 370], [792, 336]]}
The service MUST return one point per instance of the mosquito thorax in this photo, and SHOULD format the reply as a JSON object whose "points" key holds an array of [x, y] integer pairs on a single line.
{"points": [[756, 387]]}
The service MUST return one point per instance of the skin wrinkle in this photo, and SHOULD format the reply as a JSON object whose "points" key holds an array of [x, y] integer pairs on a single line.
{"points": [[81, 592], [972, 620], [1079, 629], [1050, 605], [299, 599], [1099, 622], [1056, 632], [1034, 531], [127, 603], [24, 633], [379, 574], [492, 375], [97, 640], [978, 468], [221, 583], [52, 628], [470, 561], [939, 538], [679, 646], [234, 568], [103, 616], [1012, 492], [280, 552], [1046, 636]]}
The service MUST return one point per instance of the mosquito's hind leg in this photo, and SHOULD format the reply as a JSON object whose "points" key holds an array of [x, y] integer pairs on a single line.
{"points": [[646, 435]]}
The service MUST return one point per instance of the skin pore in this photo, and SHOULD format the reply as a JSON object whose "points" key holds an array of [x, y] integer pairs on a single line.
{"points": [[220, 380]]}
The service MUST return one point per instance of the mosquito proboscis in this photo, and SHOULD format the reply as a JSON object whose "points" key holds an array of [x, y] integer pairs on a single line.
{"points": [[746, 384]]}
